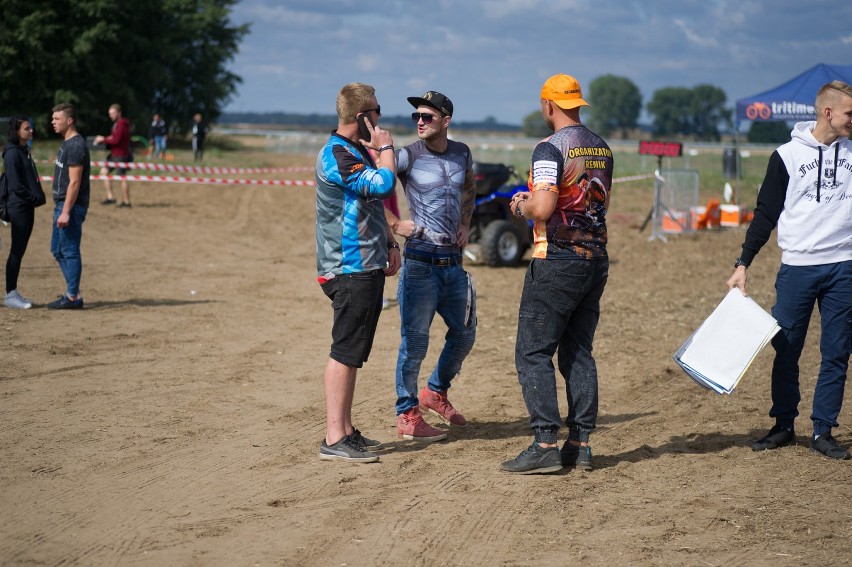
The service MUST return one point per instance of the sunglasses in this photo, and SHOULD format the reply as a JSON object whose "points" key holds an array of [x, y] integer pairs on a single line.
{"points": [[424, 116], [378, 110]]}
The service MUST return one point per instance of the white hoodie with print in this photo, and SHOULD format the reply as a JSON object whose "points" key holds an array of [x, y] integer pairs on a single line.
{"points": [[815, 224]]}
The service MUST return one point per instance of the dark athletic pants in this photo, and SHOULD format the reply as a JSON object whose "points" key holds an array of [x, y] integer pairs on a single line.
{"points": [[22, 227]]}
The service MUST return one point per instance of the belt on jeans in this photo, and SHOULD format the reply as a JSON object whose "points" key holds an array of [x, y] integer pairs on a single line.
{"points": [[440, 261]]}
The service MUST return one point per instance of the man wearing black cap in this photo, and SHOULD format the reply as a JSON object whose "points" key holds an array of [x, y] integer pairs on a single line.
{"points": [[437, 175]]}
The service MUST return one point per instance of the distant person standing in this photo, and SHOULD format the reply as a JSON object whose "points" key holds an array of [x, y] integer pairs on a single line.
{"points": [[25, 194], [570, 182], [71, 198], [158, 135], [199, 133], [807, 195], [437, 175], [118, 143]]}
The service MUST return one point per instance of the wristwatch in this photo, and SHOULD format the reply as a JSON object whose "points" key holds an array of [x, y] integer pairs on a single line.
{"points": [[518, 212], [739, 262]]}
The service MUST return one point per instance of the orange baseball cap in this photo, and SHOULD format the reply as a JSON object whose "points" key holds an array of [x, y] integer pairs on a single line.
{"points": [[564, 90]]}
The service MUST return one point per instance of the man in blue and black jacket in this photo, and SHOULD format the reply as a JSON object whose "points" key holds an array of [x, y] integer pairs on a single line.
{"points": [[355, 252]]}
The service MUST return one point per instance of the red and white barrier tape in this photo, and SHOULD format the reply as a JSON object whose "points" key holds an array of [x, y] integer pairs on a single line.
{"points": [[192, 168], [200, 180], [222, 181], [633, 178]]}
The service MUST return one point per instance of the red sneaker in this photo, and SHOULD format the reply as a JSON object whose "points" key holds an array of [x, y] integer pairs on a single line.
{"points": [[437, 403], [410, 425]]}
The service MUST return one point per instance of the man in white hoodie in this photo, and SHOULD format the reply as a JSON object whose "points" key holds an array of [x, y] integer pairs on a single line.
{"points": [[807, 194]]}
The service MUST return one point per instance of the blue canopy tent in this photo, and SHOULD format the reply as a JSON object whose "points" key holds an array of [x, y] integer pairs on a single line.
{"points": [[794, 100]]}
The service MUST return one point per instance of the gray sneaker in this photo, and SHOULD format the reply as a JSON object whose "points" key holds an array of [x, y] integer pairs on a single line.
{"points": [[15, 301], [62, 302], [346, 450], [365, 442], [535, 459], [578, 457]]}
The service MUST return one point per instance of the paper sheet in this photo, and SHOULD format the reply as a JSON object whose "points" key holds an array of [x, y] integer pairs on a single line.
{"points": [[724, 346]]}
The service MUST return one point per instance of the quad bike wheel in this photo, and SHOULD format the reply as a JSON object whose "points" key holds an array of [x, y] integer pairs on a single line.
{"points": [[501, 245]]}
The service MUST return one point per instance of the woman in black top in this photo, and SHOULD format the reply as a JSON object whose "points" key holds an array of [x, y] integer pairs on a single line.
{"points": [[25, 194]]}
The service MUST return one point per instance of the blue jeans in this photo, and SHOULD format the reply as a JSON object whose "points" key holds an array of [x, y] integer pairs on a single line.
{"points": [[159, 145], [560, 308], [65, 246], [797, 288], [424, 290]]}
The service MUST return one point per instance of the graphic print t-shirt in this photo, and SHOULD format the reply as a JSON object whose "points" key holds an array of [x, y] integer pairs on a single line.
{"points": [[72, 152], [435, 185], [576, 164]]}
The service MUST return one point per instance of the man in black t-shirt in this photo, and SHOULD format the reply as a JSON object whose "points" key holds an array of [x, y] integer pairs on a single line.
{"points": [[71, 197]]}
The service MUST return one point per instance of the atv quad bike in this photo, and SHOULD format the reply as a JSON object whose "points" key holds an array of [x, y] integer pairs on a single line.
{"points": [[503, 238]]}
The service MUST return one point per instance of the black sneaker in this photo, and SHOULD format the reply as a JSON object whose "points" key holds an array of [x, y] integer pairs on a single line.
{"points": [[108, 202], [64, 303], [346, 450], [535, 459], [778, 436], [828, 446], [365, 442], [578, 457]]}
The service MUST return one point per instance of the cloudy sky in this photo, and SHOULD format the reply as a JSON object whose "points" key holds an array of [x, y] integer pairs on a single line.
{"points": [[491, 56]]}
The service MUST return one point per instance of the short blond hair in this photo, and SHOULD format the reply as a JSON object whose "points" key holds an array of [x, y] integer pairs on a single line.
{"points": [[116, 106], [352, 99], [828, 94]]}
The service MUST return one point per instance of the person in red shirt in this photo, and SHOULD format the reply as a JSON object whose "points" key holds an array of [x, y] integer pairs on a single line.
{"points": [[118, 143]]}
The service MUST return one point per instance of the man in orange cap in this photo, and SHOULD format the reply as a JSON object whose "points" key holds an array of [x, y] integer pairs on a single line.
{"points": [[569, 188]]}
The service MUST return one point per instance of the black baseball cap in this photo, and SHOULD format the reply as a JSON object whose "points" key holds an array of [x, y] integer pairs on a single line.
{"points": [[434, 99]]}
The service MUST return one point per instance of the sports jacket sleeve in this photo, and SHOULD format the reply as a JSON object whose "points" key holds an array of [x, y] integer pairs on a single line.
{"points": [[770, 203]]}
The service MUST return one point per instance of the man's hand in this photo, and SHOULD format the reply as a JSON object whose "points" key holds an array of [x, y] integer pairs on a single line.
{"points": [[63, 220], [461, 237], [517, 199], [378, 137], [738, 280], [394, 262], [404, 228]]}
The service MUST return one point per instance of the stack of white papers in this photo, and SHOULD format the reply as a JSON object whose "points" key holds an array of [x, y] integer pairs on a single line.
{"points": [[717, 355]]}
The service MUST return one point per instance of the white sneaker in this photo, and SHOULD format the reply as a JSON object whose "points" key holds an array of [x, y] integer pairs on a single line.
{"points": [[15, 301]]}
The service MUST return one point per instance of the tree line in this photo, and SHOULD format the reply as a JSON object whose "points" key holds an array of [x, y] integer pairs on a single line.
{"points": [[697, 112], [327, 122], [166, 56], [171, 57]]}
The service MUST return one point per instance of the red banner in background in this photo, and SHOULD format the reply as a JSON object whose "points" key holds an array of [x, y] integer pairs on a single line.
{"points": [[654, 148]]}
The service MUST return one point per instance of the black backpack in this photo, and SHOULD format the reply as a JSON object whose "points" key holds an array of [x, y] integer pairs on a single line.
{"points": [[4, 198]]}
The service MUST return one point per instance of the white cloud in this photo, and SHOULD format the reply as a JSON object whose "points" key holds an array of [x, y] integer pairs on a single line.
{"points": [[367, 62], [277, 70], [693, 36], [491, 56]]}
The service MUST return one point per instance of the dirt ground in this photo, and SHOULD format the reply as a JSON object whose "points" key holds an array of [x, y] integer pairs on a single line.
{"points": [[177, 419]]}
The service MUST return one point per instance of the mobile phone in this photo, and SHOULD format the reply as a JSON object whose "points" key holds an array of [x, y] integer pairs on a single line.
{"points": [[363, 131]]}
